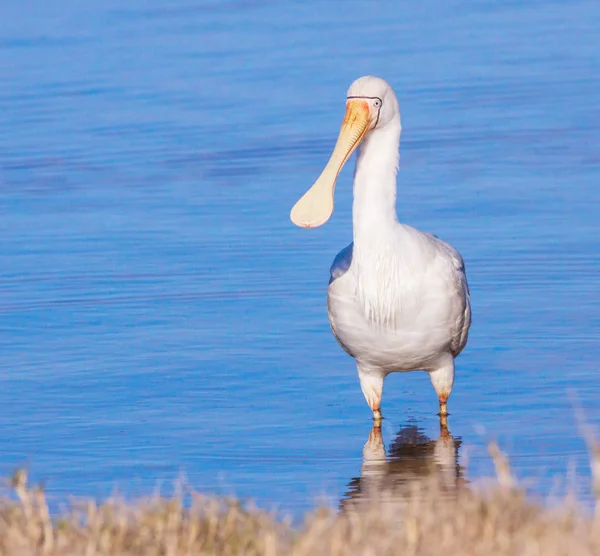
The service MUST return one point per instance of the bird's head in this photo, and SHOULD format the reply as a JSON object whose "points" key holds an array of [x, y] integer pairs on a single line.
{"points": [[370, 105]]}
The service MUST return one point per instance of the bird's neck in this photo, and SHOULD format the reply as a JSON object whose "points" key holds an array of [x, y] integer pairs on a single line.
{"points": [[374, 209], [375, 224]]}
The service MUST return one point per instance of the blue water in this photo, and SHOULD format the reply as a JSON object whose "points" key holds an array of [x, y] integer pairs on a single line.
{"points": [[160, 314]]}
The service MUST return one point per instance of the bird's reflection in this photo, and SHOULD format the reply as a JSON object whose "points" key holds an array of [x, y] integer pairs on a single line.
{"points": [[412, 457]]}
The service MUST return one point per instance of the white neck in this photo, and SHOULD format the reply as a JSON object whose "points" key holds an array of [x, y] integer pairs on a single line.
{"points": [[374, 207], [376, 224]]}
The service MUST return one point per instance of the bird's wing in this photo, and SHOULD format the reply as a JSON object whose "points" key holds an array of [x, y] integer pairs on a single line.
{"points": [[463, 323], [341, 263], [458, 276]]}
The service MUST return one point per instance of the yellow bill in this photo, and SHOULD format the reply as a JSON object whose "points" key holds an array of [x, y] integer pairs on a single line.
{"points": [[316, 206]]}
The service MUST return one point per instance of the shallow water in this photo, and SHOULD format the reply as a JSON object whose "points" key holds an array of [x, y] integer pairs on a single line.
{"points": [[161, 315]]}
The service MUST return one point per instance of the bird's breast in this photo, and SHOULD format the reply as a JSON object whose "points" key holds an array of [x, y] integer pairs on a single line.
{"points": [[387, 317]]}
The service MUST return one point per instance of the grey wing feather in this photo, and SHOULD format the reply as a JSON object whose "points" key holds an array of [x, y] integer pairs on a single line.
{"points": [[461, 331], [341, 263], [463, 323]]}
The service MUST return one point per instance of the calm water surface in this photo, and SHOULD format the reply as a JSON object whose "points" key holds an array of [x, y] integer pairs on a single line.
{"points": [[160, 314]]}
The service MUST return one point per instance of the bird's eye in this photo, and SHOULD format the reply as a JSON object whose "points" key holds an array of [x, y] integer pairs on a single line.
{"points": [[377, 103]]}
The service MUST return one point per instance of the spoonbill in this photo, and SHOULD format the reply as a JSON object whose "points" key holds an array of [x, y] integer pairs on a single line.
{"points": [[398, 298]]}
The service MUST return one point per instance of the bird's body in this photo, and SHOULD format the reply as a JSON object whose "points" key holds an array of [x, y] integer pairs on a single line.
{"points": [[398, 298], [395, 319]]}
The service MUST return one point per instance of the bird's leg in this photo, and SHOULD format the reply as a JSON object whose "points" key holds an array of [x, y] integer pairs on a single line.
{"points": [[442, 379], [371, 382]]}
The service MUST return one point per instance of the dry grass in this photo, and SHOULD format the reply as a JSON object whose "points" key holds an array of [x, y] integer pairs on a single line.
{"points": [[428, 521]]}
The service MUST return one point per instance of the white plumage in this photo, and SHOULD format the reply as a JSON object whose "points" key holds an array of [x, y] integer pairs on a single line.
{"points": [[398, 298]]}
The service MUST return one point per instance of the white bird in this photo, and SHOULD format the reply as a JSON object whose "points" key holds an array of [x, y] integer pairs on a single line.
{"points": [[398, 298]]}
